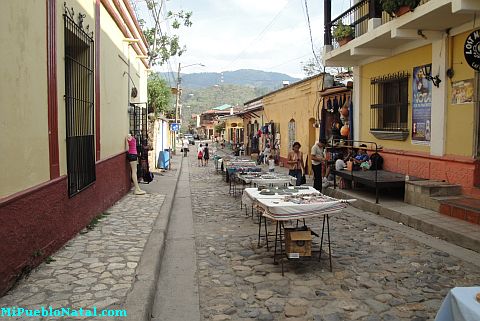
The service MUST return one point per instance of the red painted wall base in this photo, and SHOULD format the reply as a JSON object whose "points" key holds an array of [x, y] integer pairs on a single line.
{"points": [[454, 170], [37, 222]]}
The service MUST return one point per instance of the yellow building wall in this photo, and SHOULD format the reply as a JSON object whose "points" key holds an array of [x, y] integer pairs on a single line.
{"points": [[23, 88], [114, 95], [23, 96], [403, 62], [460, 124], [228, 125], [298, 102]]}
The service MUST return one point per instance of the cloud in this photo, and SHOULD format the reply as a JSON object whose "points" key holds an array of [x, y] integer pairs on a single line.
{"points": [[255, 34]]}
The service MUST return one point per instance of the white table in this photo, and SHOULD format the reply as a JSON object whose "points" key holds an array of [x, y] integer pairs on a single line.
{"points": [[460, 305], [281, 210], [250, 195]]}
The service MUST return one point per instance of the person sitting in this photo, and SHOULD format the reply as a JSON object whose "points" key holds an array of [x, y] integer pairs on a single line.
{"points": [[361, 161], [339, 162]]}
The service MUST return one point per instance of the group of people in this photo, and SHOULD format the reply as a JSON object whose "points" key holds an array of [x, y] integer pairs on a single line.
{"points": [[203, 154], [358, 157]]}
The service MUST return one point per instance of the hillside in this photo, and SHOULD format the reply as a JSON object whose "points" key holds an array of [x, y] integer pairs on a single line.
{"points": [[244, 77], [195, 101]]}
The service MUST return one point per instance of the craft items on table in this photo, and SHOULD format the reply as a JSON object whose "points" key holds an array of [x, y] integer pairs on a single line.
{"points": [[267, 179]]}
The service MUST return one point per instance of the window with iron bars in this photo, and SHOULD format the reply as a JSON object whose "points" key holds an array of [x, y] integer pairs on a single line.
{"points": [[79, 105], [389, 103]]}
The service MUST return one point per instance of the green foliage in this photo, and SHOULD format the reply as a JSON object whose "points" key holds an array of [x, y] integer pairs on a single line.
{"points": [[196, 101], [220, 127], [244, 77], [342, 31], [161, 45], [159, 95], [391, 6]]}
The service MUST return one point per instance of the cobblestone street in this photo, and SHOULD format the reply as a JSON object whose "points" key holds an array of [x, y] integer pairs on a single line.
{"points": [[379, 273]]}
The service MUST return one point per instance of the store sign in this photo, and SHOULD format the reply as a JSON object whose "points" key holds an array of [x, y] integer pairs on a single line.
{"points": [[174, 127], [471, 50]]}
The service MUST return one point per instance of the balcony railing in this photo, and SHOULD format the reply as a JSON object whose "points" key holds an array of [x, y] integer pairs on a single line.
{"points": [[357, 17]]}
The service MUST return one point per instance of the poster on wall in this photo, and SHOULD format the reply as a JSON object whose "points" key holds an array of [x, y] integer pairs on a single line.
{"points": [[421, 105], [462, 92]]}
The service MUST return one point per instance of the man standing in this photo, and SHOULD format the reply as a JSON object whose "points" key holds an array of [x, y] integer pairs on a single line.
{"points": [[317, 159]]}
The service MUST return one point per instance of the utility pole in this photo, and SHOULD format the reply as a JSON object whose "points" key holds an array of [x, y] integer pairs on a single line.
{"points": [[177, 101], [177, 97]]}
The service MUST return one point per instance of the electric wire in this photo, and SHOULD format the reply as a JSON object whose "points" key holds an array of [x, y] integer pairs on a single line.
{"points": [[257, 37]]}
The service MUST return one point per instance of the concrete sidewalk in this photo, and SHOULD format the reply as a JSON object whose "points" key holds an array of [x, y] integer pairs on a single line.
{"points": [[112, 264]]}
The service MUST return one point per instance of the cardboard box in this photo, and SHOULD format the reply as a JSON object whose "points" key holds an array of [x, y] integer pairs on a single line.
{"points": [[298, 241]]}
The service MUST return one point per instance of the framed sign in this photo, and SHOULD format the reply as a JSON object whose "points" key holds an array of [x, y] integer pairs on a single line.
{"points": [[471, 50], [421, 105], [462, 92]]}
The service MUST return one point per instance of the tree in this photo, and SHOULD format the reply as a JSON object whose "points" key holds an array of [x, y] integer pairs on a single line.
{"points": [[220, 127], [163, 46], [313, 66], [159, 95]]}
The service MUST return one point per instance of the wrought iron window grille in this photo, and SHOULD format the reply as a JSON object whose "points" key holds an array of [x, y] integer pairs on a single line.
{"points": [[389, 106], [71, 14], [79, 106]]}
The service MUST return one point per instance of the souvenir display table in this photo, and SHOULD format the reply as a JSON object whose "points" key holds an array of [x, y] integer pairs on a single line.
{"points": [[460, 304], [236, 165], [251, 195], [299, 206], [267, 179]]}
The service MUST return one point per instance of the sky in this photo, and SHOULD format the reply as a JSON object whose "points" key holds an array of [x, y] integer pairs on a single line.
{"points": [[268, 35]]}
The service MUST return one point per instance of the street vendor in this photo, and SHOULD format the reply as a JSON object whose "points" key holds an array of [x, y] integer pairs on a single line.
{"points": [[295, 163]]}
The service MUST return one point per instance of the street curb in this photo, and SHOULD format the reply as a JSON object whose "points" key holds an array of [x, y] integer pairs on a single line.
{"points": [[433, 224], [141, 297]]}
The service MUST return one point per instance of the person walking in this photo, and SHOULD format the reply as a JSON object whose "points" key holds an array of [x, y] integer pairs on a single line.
{"points": [[206, 154], [185, 147], [271, 164], [266, 154], [295, 163], [318, 158], [200, 155]]}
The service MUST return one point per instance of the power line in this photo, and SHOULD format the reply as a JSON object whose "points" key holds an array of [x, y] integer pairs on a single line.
{"points": [[257, 37], [310, 33]]}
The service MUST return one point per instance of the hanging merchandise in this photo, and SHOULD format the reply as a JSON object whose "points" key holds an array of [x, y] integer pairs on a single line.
{"points": [[259, 133], [322, 124], [350, 113], [335, 104], [329, 105], [344, 131], [344, 110]]}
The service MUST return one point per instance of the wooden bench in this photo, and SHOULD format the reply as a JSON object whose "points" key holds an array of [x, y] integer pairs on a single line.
{"points": [[377, 179]]}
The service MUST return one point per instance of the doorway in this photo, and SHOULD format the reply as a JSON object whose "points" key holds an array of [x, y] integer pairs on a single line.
{"points": [[312, 138]]}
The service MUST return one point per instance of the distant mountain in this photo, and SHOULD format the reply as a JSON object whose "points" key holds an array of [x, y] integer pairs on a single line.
{"points": [[244, 77]]}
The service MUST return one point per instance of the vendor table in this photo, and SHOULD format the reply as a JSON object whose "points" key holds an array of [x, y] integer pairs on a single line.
{"points": [[300, 207], [460, 304], [251, 195], [267, 179]]}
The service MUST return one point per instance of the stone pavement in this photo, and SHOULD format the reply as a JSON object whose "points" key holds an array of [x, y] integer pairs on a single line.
{"points": [[381, 270], [101, 265]]}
